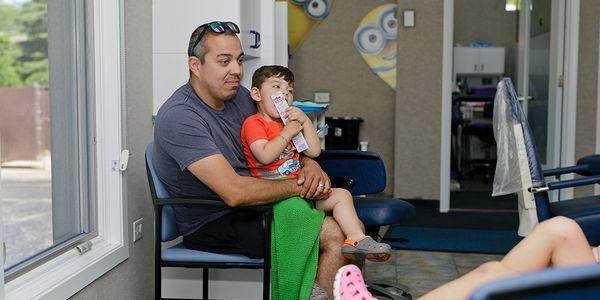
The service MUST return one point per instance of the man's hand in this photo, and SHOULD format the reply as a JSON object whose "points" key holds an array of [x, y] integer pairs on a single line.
{"points": [[315, 183]]}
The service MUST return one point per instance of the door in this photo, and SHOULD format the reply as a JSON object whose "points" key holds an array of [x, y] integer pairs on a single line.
{"points": [[540, 70], [543, 72]]}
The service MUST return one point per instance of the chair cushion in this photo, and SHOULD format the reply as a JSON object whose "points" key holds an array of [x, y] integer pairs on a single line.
{"points": [[585, 211], [180, 253], [379, 211]]}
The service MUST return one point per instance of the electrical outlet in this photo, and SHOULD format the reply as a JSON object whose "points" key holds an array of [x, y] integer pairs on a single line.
{"points": [[322, 97], [138, 229]]}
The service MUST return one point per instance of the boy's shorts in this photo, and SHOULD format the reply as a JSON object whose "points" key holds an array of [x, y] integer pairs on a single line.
{"points": [[239, 232]]}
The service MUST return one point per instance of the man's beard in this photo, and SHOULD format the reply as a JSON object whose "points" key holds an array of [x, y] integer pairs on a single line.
{"points": [[231, 96]]}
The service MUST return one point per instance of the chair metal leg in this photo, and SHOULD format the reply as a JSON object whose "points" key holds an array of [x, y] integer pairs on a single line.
{"points": [[267, 259], [157, 249], [205, 283], [157, 283], [266, 283]]}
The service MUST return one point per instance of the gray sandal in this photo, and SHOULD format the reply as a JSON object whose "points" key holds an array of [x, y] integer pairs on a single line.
{"points": [[366, 248]]}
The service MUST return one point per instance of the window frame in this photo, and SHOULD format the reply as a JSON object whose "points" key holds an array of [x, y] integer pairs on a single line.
{"points": [[66, 274]]}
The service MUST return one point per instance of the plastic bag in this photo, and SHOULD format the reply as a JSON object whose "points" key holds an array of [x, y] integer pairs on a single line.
{"points": [[513, 168]]}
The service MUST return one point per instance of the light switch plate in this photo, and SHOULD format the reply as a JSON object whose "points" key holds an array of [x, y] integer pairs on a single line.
{"points": [[138, 229], [322, 97], [409, 18]]}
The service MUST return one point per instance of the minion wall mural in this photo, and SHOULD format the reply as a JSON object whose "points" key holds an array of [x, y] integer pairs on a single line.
{"points": [[303, 17], [375, 39]]}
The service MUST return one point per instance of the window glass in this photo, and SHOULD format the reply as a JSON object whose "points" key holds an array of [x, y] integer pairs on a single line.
{"points": [[44, 138]]}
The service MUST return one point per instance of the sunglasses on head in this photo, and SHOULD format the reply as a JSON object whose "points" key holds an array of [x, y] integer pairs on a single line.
{"points": [[216, 27]]}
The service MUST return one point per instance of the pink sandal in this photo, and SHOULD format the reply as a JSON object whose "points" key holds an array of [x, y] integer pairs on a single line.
{"points": [[349, 285]]}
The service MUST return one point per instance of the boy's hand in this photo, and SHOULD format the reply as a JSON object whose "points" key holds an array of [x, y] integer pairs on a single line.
{"points": [[290, 130], [295, 114]]}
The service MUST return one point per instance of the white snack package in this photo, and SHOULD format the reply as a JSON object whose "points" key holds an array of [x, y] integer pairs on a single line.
{"points": [[281, 104]]}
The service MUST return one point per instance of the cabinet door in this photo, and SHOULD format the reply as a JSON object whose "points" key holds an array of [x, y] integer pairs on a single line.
{"points": [[491, 60], [250, 27], [466, 60], [174, 20], [265, 54], [281, 33]]}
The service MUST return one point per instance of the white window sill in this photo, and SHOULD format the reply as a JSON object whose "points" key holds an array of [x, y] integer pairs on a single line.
{"points": [[68, 273]]}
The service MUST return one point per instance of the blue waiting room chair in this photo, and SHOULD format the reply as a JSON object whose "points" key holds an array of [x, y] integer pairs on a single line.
{"points": [[581, 282], [363, 174], [179, 256], [584, 211]]}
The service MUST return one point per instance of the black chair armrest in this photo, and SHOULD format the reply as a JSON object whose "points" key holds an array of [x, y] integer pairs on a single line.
{"points": [[565, 170], [343, 182], [348, 154], [556, 185], [213, 202]]}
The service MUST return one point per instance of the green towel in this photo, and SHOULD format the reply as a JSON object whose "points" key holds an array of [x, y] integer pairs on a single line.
{"points": [[294, 248]]}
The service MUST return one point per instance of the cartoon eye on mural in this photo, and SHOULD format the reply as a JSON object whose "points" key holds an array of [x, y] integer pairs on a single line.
{"points": [[375, 39], [303, 17]]}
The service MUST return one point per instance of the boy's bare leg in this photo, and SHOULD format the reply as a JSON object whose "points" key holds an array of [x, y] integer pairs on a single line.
{"points": [[341, 204], [557, 242], [331, 239]]}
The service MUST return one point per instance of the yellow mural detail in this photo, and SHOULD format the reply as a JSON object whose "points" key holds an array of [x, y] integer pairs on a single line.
{"points": [[375, 39], [303, 17]]}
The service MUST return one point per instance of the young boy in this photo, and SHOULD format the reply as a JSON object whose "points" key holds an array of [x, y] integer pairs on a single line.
{"points": [[271, 155]]}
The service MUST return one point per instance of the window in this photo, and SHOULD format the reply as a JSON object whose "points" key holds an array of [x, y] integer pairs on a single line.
{"points": [[512, 5], [60, 138], [46, 145]]}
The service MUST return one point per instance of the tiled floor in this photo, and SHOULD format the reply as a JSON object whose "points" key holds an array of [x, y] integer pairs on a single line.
{"points": [[422, 271]]}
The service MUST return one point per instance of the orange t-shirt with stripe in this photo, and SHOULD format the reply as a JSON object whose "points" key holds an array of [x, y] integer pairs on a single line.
{"points": [[287, 165]]}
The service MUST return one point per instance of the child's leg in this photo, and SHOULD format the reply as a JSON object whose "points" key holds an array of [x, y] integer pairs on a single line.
{"points": [[462, 287], [357, 246], [557, 242], [341, 205]]}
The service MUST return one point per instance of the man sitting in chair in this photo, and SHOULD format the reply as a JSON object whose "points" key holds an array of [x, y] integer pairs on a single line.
{"points": [[198, 152]]}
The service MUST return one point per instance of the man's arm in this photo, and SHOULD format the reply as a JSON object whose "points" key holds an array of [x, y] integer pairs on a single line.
{"points": [[216, 172]]}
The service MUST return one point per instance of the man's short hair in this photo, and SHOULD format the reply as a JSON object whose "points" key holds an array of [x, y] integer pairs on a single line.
{"points": [[200, 50], [265, 72]]}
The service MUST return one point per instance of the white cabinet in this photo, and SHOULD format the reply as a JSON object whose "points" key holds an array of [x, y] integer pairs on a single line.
{"points": [[478, 60], [466, 60], [174, 20], [491, 60], [250, 26]]}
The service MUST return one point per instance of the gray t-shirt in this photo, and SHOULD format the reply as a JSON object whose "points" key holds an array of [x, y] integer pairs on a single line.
{"points": [[187, 130]]}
